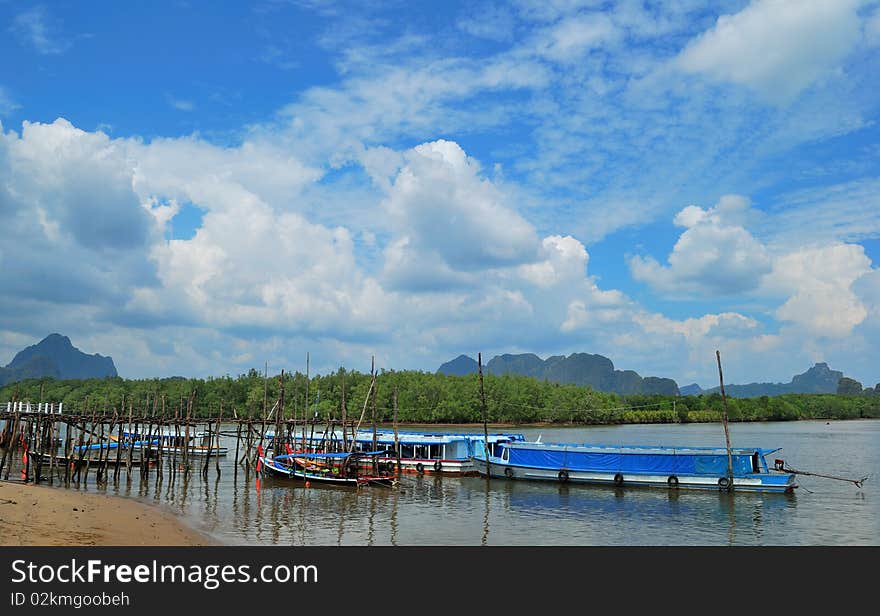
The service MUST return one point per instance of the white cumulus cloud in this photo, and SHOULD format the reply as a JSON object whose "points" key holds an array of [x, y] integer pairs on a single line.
{"points": [[777, 47], [445, 209], [716, 254]]}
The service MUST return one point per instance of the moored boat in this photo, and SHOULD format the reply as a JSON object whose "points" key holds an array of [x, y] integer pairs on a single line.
{"points": [[633, 465], [175, 442], [420, 452], [341, 469]]}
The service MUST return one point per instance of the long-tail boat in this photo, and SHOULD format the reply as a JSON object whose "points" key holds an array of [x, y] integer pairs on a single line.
{"points": [[635, 465]]}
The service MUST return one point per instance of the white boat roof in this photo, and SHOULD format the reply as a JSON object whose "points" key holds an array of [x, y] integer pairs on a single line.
{"points": [[639, 449], [419, 438]]}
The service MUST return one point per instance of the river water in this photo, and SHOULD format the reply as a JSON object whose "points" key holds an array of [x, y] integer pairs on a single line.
{"points": [[236, 508]]}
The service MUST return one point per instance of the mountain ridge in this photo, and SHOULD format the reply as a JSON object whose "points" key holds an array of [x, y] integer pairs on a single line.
{"points": [[820, 379], [597, 371], [56, 357]]}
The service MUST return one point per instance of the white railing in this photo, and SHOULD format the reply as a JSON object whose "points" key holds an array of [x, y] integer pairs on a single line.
{"points": [[48, 408]]}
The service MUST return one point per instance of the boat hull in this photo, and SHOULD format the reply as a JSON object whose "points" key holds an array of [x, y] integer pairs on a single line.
{"points": [[274, 469], [419, 466], [758, 482]]}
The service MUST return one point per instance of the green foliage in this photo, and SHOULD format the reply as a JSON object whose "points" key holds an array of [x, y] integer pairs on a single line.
{"points": [[428, 398]]}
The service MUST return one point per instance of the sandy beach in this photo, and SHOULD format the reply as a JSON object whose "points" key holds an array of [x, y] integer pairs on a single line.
{"points": [[43, 515]]}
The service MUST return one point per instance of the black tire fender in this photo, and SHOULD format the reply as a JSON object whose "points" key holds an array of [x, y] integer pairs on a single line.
{"points": [[420, 468], [563, 476], [438, 466], [508, 472], [618, 479], [672, 481]]}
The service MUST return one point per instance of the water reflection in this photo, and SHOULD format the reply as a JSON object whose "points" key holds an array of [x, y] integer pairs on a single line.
{"points": [[237, 506]]}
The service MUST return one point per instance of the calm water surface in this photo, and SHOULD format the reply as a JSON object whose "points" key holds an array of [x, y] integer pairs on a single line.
{"points": [[235, 508]]}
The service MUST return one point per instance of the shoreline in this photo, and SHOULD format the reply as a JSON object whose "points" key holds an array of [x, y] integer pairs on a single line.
{"points": [[38, 515]]}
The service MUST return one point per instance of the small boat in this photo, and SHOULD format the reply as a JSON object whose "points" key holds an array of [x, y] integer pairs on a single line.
{"points": [[75, 461], [633, 465], [200, 443], [420, 452], [342, 469]]}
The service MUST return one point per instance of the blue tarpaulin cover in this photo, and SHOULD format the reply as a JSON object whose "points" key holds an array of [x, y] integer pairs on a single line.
{"points": [[660, 463]]}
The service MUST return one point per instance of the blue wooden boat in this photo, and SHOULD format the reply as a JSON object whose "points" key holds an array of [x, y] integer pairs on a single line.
{"points": [[632, 465], [420, 452]]}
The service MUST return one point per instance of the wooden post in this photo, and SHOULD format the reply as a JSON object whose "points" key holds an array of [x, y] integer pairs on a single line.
{"points": [[279, 416], [344, 429], [396, 440], [68, 450], [724, 423], [373, 416], [237, 439], [131, 441], [485, 415], [217, 457], [307, 405], [189, 408], [119, 441], [363, 412]]}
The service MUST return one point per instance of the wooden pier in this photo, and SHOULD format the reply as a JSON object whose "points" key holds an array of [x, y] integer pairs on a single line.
{"points": [[53, 444]]}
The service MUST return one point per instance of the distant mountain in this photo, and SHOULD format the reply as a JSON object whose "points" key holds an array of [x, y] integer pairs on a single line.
{"points": [[578, 369], [459, 366], [691, 390], [820, 379], [56, 357]]}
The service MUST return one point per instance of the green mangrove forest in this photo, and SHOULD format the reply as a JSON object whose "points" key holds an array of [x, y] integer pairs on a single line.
{"points": [[424, 398]]}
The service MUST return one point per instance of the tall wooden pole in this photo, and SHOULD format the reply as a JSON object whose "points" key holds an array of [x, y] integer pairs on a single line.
{"points": [[373, 410], [724, 423], [344, 418], [307, 405], [485, 414], [396, 439]]}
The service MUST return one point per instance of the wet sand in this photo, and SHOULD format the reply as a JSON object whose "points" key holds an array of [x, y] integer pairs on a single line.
{"points": [[43, 515]]}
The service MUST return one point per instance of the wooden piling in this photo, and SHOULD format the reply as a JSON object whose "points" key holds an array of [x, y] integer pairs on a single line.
{"points": [[394, 424], [485, 414], [724, 423]]}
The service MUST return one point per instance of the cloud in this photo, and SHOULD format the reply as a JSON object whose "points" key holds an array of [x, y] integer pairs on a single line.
{"points": [[7, 105], [488, 21], [819, 282], [715, 256], [872, 29], [848, 211], [180, 104], [389, 99], [570, 38], [68, 192], [776, 47], [726, 324], [32, 28], [80, 182], [439, 205]]}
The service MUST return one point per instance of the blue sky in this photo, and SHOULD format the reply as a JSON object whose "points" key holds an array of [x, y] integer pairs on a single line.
{"points": [[199, 188]]}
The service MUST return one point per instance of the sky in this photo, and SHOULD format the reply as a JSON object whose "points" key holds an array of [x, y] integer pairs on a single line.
{"points": [[201, 188]]}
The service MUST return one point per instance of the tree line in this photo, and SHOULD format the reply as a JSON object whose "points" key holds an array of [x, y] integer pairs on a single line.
{"points": [[426, 398]]}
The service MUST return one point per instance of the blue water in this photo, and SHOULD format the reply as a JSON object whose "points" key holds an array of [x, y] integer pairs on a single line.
{"points": [[237, 509]]}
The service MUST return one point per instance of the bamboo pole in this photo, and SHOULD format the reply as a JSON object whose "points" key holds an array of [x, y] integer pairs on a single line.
{"points": [[394, 423], [363, 412], [373, 415], [344, 420], [217, 457], [724, 423], [485, 415], [132, 438]]}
